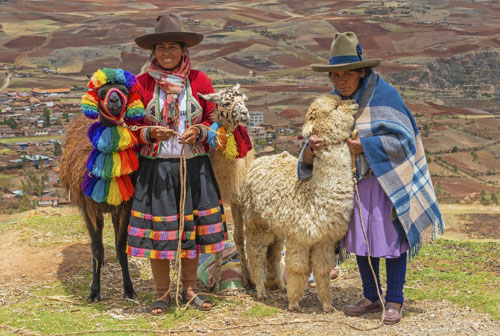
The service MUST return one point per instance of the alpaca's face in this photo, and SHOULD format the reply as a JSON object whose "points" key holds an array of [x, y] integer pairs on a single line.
{"points": [[330, 118], [231, 109], [112, 100]]}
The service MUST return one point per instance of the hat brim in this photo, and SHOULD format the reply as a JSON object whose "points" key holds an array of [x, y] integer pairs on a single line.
{"points": [[369, 63], [148, 41]]}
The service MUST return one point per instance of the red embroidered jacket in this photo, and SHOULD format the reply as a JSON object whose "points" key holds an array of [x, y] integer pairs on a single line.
{"points": [[199, 82]]}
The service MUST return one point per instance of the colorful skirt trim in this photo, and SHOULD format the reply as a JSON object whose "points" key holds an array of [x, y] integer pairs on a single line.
{"points": [[153, 230]]}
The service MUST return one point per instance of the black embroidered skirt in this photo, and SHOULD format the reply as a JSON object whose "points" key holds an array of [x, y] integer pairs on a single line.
{"points": [[154, 222]]}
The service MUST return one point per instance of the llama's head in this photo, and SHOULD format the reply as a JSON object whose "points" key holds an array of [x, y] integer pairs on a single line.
{"points": [[330, 118], [230, 109], [113, 97]]}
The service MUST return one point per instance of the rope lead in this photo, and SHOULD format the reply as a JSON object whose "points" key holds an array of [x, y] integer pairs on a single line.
{"points": [[354, 136]]}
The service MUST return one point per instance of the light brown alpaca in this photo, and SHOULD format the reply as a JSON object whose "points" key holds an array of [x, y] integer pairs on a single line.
{"points": [[230, 111], [311, 215]]}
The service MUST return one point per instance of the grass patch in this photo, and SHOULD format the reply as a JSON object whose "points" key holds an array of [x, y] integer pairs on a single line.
{"points": [[261, 311], [44, 227], [4, 151], [31, 27], [50, 310], [29, 139], [465, 273], [74, 67], [6, 180], [37, 314]]}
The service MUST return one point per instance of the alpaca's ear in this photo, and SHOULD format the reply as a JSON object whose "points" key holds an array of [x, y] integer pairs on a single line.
{"points": [[211, 97], [354, 108], [236, 87], [307, 129], [350, 106]]}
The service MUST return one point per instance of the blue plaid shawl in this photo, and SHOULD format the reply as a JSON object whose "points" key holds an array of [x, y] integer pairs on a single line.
{"points": [[393, 150]]}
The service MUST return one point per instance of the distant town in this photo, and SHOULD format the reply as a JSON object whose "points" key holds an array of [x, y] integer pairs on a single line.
{"points": [[32, 125], [32, 130]]}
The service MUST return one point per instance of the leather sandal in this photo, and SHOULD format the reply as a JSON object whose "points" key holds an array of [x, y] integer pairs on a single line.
{"points": [[393, 312], [364, 306], [159, 304], [198, 302]]}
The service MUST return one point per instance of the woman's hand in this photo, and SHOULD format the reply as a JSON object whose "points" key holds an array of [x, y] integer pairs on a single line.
{"points": [[161, 133], [190, 136], [355, 146], [315, 142]]}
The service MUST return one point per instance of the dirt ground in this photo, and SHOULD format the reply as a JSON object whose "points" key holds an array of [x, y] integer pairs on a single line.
{"points": [[31, 265]]}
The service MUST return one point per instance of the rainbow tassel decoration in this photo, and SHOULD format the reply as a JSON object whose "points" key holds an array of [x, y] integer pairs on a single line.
{"points": [[221, 139], [235, 144], [231, 151], [110, 163], [240, 144], [212, 136], [114, 196]]}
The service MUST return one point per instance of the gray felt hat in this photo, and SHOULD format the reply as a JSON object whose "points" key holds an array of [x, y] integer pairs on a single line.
{"points": [[346, 54]]}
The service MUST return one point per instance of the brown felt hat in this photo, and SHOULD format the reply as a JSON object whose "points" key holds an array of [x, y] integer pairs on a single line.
{"points": [[168, 28], [346, 54]]}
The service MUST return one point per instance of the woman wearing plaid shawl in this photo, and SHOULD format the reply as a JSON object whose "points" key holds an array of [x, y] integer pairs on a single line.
{"points": [[398, 203]]}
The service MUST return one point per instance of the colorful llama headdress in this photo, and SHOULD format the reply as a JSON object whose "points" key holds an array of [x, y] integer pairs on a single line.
{"points": [[113, 159], [135, 108]]}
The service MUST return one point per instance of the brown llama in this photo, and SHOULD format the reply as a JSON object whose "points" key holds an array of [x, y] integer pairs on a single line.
{"points": [[110, 97]]}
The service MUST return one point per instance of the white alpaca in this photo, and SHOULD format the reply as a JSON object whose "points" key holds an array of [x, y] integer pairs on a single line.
{"points": [[311, 215]]}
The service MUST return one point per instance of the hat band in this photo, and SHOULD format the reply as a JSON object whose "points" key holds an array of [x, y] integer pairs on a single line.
{"points": [[334, 60]]}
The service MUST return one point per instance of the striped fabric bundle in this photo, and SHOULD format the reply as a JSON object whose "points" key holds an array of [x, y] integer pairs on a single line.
{"points": [[231, 278]]}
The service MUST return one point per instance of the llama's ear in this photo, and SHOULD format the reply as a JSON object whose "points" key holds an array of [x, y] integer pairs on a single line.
{"points": [[236, 87], [212, 97]]}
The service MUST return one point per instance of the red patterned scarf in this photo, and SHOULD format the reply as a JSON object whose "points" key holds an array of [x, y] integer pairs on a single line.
{"points": [[172, 82]]}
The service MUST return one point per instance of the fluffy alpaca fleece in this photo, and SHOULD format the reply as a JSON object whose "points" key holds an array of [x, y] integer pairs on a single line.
{"points": [[310, 215]]}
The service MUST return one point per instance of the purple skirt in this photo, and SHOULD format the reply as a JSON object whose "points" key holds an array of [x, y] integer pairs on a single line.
{"points": [[376, 209]]}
